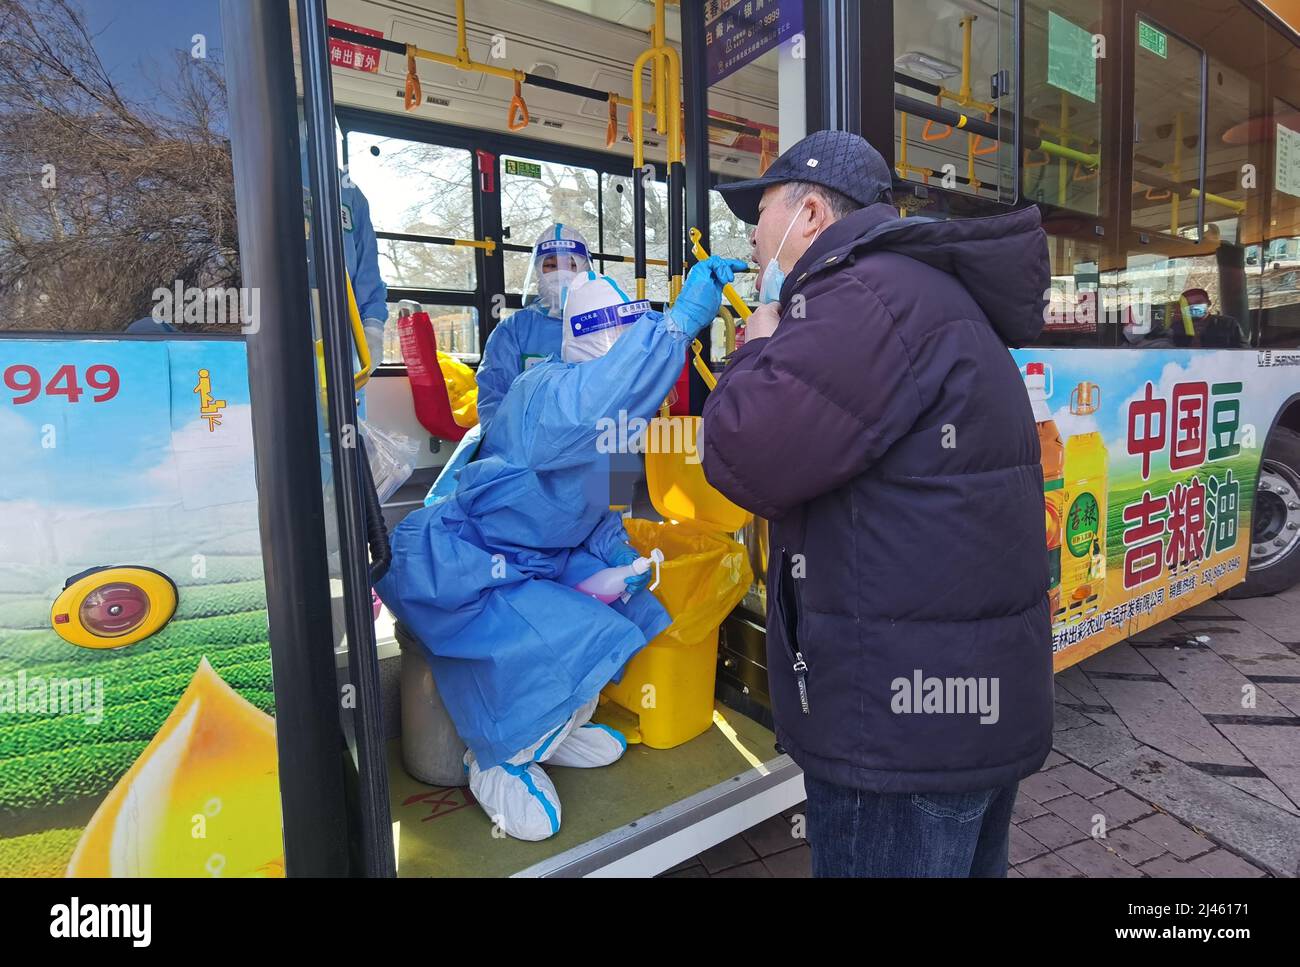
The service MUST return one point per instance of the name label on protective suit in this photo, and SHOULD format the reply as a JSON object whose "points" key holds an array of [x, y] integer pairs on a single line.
{"points": [[586, 323]]}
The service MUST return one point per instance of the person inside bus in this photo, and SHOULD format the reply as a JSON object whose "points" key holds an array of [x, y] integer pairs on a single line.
{"points": [[1147, 327], [1202, 327], [530, 335], [875, 417], [485, 577], [361, 256]]}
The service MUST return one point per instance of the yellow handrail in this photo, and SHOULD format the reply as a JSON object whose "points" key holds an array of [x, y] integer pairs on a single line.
{"points": [[728, 292], [463, 61], [488, 244], [669, 57], [658, 37], [360, 378]]}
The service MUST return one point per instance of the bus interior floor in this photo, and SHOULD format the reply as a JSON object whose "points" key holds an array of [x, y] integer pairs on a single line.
{"points": [[1176, 754], [442, 831]]}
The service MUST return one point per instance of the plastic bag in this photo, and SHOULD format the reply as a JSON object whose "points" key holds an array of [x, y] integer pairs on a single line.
{"points": [[462, 389], [392, 458], [704, 576]]}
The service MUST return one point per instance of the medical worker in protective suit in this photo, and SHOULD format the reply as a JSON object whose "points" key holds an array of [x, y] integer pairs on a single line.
{"points": [[485, 577], [360, 251], [530, 335], [361, 256]]}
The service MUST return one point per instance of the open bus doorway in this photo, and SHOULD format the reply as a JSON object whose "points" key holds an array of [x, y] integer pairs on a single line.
{"points": [[457, 197]]}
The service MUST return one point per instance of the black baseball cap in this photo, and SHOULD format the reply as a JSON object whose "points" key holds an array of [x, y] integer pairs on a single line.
{"points": [[833, 159]]}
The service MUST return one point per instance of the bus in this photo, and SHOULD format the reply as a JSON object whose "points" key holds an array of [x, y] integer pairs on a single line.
{"points": [[195, 678]]}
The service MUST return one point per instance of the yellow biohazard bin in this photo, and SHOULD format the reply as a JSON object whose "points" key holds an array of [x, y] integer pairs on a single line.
{"points": [[668, 685]]}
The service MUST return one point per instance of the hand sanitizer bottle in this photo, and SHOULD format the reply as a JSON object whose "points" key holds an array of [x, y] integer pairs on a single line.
{"points": [[610, 584]]}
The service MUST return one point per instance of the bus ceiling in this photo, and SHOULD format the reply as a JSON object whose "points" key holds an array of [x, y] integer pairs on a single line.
{"points": [[665, 81], [518, 109]]}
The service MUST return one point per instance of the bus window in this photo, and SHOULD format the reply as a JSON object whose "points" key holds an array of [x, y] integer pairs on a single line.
{"points": [[754, 69], [1062, 127], [1080, 298], [1277, 263], [729, 237], [119, 202], [1167, 91], [537, 194], [1234, 213], [617, 234], [454, 326], [416, 190], [962, 63]]}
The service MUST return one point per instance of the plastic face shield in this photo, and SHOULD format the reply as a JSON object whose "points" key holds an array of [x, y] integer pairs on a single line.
{"points": [[557, 259]]}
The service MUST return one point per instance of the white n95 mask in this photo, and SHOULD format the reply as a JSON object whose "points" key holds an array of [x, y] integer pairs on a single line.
{"points": [[596, 313], [551, 286], [559, 255]]}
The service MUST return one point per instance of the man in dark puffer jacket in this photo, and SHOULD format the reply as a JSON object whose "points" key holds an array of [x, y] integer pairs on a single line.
{"points": [[875, 417]]}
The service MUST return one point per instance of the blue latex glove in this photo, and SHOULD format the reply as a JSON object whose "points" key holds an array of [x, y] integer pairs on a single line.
{"points": [[701, 295], [623, 556], [638, 582]]}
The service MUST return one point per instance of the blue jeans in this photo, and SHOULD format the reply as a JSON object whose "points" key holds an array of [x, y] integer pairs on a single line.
{"points": [[857, 833]]}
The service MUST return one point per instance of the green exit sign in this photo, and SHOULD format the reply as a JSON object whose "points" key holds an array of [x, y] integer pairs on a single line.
{"points": [[525, 169], [1152, 39]]}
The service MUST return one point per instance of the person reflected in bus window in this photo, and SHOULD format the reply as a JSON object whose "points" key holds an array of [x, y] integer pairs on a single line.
{"points": [[530, 335], [876, 419]]}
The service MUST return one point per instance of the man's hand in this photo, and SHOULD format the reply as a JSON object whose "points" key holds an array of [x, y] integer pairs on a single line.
{"points": [[763, 321]]}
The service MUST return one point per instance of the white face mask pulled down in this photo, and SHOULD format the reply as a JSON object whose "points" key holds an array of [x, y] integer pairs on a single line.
{"points": [[773, 274]]}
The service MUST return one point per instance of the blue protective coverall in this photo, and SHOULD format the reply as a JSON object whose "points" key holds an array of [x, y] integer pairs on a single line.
{"points": [[521, 340], [361, 253], [484, 578]]}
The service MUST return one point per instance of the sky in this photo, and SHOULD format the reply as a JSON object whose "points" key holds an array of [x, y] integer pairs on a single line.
{"points": [[135, 39]]}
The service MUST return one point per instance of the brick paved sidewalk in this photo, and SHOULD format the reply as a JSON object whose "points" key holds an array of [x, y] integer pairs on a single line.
{"points": [[1182, 744]]}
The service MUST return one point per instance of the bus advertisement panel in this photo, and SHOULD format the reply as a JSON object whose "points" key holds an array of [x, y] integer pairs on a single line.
{"points": [[136, 701], [1150, 462]]}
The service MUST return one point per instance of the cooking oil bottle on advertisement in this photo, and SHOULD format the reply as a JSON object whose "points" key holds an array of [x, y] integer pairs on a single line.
{"points": [[1053, 458], [1083, 538]]}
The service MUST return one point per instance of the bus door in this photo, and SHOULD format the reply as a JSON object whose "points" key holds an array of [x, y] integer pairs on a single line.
{"points": [[322, 531]]}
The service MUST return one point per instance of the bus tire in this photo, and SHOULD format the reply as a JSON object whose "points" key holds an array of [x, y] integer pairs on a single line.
{"points": [[1276, 520]]}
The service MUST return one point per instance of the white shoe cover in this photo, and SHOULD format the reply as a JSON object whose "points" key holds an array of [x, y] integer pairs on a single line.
{"points": [[544, 748], [588, 747], [521, 799]]}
